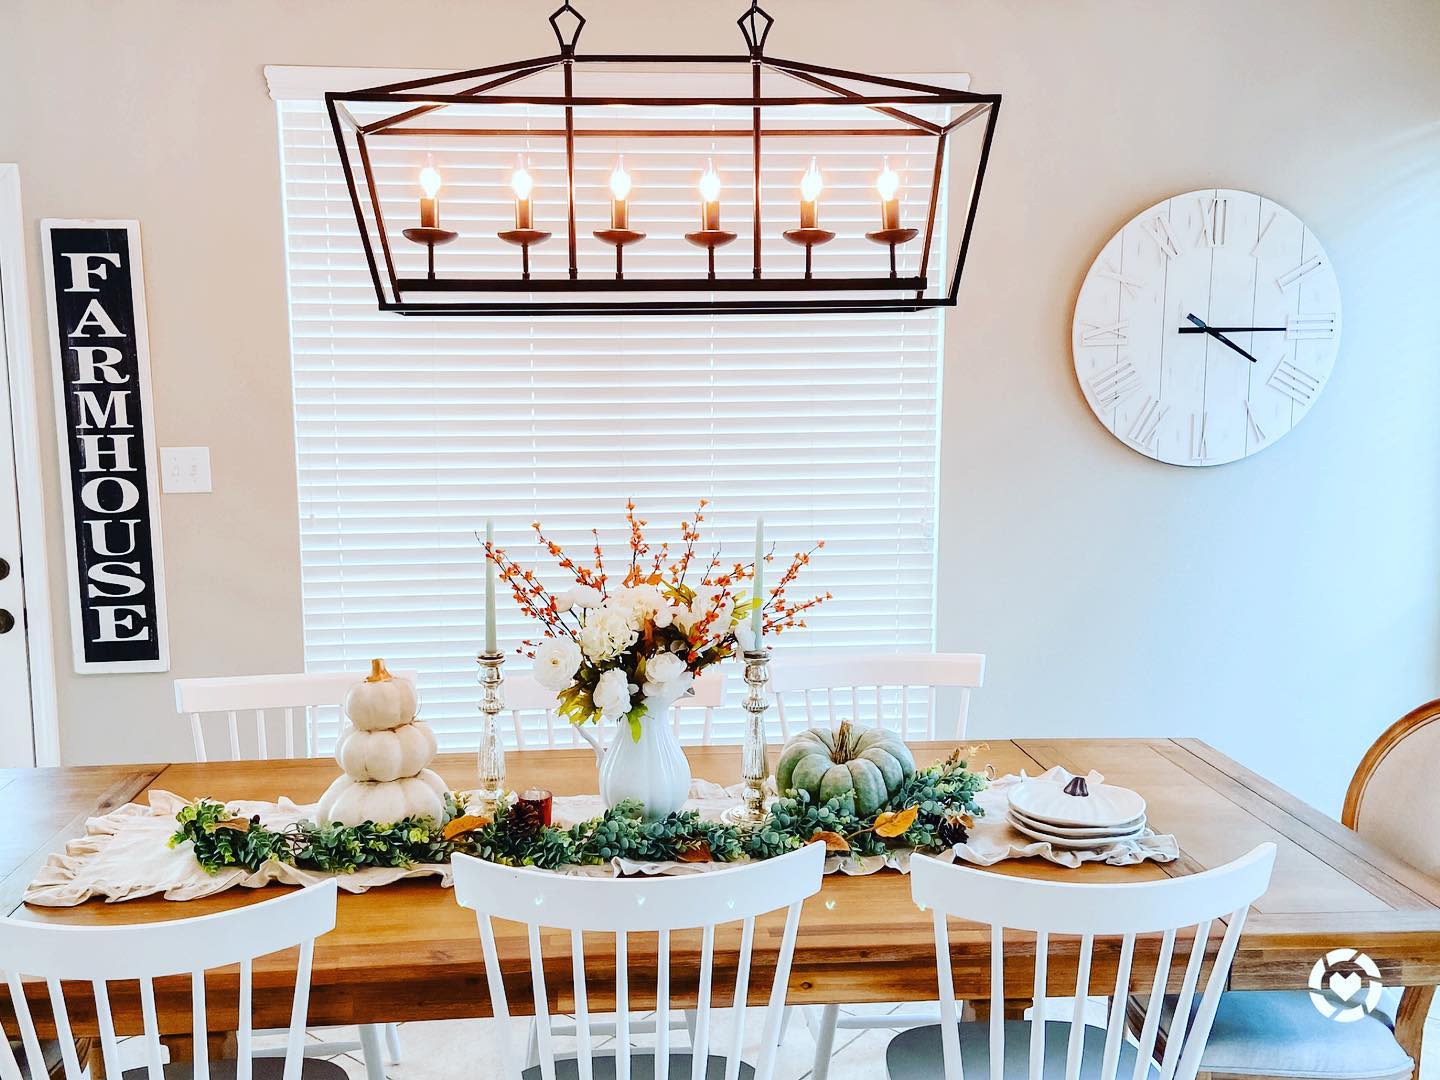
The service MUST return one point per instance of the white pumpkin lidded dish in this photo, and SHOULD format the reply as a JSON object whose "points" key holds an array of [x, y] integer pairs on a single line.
{"points": [[382, 701], [384, 753]]}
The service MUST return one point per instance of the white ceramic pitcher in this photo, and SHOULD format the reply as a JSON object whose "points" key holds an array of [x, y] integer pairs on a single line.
{"points": [[653, 769]]}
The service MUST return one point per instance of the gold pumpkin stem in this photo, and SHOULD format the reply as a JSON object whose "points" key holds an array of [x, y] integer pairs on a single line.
{"points": [[378, 672], [842, 744]]}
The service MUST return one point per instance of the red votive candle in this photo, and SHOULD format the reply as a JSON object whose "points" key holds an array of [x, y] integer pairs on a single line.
{"points": [[534, 806]]}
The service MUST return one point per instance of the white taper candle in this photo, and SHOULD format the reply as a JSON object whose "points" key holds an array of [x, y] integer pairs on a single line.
{"points": [[490, 646]]}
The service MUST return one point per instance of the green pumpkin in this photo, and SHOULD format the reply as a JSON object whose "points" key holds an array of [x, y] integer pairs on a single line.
{"points": [[862, 767]]}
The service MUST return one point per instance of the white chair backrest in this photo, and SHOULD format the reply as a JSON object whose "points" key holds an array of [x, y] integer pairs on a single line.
{"points": [[263, 698], [101, 955], [644, 905], [536, 725], [891, 690], [1090, 911]]}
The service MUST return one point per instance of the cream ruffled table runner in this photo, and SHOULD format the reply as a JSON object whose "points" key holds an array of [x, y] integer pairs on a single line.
{"points": [[126, 854]]}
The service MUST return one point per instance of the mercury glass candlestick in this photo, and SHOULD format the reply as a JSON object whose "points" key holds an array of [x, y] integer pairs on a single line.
{"points": [[754, 766], [490, 759]]}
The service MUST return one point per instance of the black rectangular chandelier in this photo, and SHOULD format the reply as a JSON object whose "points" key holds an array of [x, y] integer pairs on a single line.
{"points": [[564, 250]]}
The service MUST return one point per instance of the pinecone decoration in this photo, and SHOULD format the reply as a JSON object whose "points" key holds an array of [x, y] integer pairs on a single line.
{"points": [[952, 830]]}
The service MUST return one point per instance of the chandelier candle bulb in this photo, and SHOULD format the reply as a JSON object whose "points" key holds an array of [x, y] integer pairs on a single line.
{"points": [[710, 199], [430, 202], [522, 184], [888, 185], [810, 187], [428, 233], [620, 195]]}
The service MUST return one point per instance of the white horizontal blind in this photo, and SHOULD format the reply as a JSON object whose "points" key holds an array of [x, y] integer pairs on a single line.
{"points": [[410, 432]]}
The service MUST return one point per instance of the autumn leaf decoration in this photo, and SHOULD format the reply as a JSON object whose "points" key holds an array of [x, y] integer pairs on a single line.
{"points": [[466, 823], [890, 824], [699, 853], [895, 823], [236, 824]]}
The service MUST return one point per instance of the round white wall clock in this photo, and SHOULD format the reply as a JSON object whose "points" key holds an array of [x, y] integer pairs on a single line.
{"points": [[1207, 327]]}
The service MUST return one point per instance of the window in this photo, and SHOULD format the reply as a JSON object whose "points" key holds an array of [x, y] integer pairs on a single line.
{"points": [[411, 432]]}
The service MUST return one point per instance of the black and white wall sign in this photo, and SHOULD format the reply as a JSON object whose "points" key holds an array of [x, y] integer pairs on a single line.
{"points": [[96, 296]]}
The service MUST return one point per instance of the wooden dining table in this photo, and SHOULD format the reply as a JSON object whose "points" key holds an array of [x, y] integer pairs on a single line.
{"points": [[408, 952]]}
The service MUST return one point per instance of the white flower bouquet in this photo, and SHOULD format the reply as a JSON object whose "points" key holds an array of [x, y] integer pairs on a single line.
{"points": [[608, 650]]}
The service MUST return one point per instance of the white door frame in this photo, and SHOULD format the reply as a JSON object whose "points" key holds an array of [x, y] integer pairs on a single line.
{"points": [[44, 727]]}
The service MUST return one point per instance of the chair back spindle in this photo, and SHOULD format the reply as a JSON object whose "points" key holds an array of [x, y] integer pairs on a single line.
{"points": [[241, 713], [36, 953], [891, 690], [1183, 911], [631, 911]]}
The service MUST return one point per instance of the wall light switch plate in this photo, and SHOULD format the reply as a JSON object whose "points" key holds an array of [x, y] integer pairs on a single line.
{"points": [[185, 469]]}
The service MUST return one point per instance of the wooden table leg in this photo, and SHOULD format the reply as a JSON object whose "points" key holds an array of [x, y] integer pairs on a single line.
{"points": [[221, 1044], [980, 1010], [1410, 1020]]}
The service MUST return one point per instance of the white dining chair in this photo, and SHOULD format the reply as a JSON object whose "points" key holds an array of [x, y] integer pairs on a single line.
{"points": [[899, 691], [272, 716], [102, 955], [1393, 802], [626, 908], [250, 717], [1002, 1049], [535, 724]]}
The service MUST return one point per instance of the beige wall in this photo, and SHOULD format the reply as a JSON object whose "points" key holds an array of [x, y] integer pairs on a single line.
{"points": [[1285, 607]]}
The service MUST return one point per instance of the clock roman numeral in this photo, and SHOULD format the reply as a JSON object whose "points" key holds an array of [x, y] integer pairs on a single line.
{"points": [[1158, 229], [1214, 220], [1300, 273], [1310, 327], [1198, 449], [1254, 424], [1114, 384], [1264, 232], [1109, 334], [1128, 285], [1147, 423], [1294, 382]]}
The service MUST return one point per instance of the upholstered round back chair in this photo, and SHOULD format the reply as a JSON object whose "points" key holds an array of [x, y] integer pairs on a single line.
{"points": [[1393, 800]]}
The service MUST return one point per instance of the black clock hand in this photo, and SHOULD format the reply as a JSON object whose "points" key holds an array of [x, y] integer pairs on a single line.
{"points": [[1203, 329], [1233, 329]]}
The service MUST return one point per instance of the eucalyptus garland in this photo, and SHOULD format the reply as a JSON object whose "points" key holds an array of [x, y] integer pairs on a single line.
{"points": [[928, 812]]}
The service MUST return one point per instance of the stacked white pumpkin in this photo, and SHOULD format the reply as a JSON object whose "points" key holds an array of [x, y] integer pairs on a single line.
{"points": [[384, 752]]}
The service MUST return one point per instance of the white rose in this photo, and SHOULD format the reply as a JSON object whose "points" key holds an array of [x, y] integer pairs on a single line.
{"points": [[564, 601], [606, 634], [556, 662], [664, 667], [644, 602], [612, 694]]}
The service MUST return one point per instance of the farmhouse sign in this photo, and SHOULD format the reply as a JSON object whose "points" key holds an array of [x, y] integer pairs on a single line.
{"points": [[96, 298]]}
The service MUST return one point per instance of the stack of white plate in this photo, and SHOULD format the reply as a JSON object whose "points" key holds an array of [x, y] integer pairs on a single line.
{"points": [[1076, 815]]}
